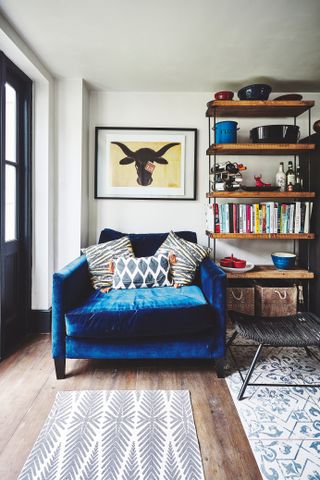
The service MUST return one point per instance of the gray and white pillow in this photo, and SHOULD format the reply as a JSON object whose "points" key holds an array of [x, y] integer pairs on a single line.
{"points": [[189, 255], [142, 272], [99, 257]]}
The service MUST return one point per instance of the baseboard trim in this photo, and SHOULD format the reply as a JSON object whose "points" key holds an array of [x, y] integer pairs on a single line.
{"points": [[40, 321]]}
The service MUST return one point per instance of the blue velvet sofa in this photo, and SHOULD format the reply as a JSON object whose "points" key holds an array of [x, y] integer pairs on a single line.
{"points": [[163, 323]]}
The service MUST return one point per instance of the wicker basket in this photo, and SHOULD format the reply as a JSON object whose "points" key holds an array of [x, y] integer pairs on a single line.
{"points": [[241, 299], [276, 301]]}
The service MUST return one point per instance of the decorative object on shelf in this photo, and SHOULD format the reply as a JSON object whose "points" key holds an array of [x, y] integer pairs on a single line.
{"points": [[284, 260], [281, 178], [145, 163], [289, 97], [290, 177], [260, 183], [226, 132], [228, 176], [257, 91], [275, 134], [298, 186], [224, 95], [316, 126], [264, 188], [249, 266], [233, 262]]}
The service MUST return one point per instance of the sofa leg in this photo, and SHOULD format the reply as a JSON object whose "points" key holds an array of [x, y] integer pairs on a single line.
{"points": [[60, 366], [220, 367]]}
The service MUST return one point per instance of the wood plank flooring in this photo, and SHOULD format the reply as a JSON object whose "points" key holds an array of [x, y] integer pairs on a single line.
{"points": [[28, 387]]}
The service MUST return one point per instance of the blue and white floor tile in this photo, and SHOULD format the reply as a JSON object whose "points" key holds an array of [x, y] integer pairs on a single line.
{"points": [[281, 423]]}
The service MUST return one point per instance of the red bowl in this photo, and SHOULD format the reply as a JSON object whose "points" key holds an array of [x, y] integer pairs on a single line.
{"points": [[239, 263], [226, 262], [224, 95]]}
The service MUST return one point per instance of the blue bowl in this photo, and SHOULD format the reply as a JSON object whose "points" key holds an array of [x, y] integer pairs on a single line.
{"points": [[284, 260], [258, 91]]}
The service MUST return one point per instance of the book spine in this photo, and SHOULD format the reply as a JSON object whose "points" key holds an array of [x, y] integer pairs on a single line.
{"points": [[248, 218], [264, 218], [240, 218], [227, 218], [216, 218], [303, 216], [307, 218], [291, 218], [297, 218], [235, 225], [257, 210], [221, 218], [231, 218]]}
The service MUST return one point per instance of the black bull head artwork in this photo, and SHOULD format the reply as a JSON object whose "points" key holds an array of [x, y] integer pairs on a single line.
{"points": [[144, 160]]}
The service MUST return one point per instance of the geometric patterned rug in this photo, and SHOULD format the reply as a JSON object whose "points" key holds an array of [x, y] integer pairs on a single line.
{"points": [[282, 423], [117, 435]]}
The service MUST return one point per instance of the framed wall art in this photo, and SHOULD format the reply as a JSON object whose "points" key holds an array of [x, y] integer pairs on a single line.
{"points": [[145, 163]]}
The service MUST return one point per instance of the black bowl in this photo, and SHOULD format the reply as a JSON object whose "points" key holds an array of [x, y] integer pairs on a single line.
{"points": [[258, 91], [275, 134]]}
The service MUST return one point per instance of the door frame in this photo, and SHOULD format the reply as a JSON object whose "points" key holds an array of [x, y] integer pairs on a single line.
{"points": [[24, 147]]}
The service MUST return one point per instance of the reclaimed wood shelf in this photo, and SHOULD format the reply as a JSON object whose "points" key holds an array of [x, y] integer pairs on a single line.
{"points": [[257, 108], [262, 236], [269, 271], [259, 148], [260, 194]]}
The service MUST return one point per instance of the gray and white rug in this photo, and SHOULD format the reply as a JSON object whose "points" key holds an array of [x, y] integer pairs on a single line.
{"points": [[117, 435], [282, 423]]}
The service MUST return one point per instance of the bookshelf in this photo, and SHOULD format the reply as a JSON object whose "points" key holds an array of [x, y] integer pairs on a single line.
{"points": [[256, 109]]}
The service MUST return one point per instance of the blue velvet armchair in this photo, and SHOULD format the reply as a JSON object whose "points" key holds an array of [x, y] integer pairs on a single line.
{"points": [[163, 323]]}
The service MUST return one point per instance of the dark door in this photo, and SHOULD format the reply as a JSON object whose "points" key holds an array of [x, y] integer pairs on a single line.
{"points": [[15, 204]]}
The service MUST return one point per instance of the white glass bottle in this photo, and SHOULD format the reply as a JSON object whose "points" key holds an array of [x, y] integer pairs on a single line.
{"points": [[281, 178]]}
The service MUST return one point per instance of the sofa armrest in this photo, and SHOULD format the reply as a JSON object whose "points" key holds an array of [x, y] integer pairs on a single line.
{"points": [[213, 283], [70, 285]]}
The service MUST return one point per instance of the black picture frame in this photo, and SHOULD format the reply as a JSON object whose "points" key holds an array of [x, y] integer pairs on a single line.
{"points": [[185, 156]]}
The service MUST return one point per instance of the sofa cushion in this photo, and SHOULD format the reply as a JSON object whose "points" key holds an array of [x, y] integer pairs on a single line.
{"points": [[99, 256], [189, 255], [142, 272], [141, 313], [144, 244]]}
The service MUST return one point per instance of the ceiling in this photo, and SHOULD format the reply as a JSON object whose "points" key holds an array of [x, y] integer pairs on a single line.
{"points": [[174, 45]]}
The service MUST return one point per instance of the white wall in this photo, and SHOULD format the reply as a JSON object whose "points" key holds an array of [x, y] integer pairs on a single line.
{"points": [[71, 218], [175, 110]]}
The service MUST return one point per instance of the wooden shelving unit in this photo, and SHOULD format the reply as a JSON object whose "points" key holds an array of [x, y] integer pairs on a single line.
{"points": [[259, 148], [257, 108], [260, 194], [262, 236], [263, 109], [270, 272]]}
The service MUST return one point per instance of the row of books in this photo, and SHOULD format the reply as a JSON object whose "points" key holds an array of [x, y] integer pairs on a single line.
{"points": [[264, 217]]}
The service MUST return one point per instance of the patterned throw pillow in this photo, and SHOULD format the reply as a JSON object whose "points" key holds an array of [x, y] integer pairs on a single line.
{"points": [[142, 272], [99, 257], [188, 255]]}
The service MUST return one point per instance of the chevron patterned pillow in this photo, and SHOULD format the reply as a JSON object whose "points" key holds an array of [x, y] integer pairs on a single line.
{"points": [[99, 257], [142, 272], [189, 255]]}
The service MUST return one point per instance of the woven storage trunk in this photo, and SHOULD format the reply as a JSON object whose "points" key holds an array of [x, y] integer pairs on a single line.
{"points": [[276, 301], [241, 299]]}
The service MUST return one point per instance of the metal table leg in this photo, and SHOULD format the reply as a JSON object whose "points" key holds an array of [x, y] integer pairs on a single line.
{"points": [[250, 371]]}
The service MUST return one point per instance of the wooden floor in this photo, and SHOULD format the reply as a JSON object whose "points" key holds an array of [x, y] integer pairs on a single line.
{"points": [[28, 388]]}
